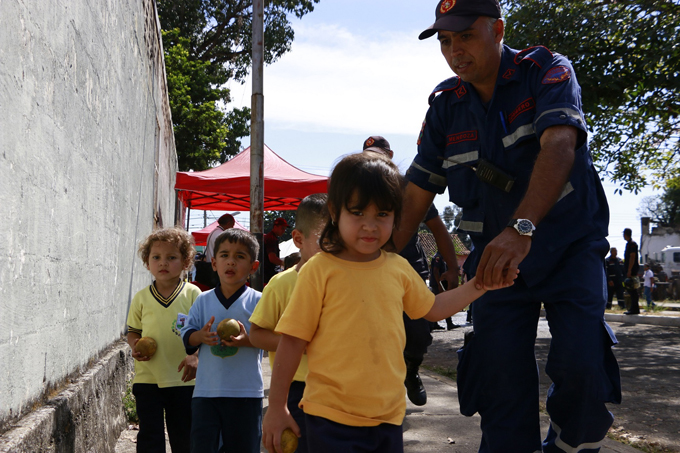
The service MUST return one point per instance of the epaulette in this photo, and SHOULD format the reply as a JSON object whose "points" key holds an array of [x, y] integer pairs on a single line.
{"points": [[451, 84], [539, 55]]}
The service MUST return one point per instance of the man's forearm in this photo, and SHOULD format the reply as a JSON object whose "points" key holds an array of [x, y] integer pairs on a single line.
{"points": [[415, 205], [551, 173]]}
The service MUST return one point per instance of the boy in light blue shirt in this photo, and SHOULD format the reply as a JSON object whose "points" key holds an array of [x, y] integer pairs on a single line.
{"points": [[229, 388]]}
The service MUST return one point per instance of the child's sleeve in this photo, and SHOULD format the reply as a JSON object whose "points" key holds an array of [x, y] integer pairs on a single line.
{"points": [[134, 319], [192, 324], [301, 317], [418, 299], [267, 313]]}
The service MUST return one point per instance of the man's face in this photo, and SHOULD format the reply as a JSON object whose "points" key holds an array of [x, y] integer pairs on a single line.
{"points": [[279, 229], [614, 253], [473, 54]]}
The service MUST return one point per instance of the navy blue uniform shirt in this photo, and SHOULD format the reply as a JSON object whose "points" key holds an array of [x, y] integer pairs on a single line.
{"points": [[535, 90]]}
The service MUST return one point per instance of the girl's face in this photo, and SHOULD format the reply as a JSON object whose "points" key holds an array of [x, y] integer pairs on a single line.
{"points": [[364, 231], [165, 262]]}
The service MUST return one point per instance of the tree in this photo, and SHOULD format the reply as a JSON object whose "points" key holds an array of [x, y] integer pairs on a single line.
{"points": [[626, 54], [207, 43], [664, 210]]}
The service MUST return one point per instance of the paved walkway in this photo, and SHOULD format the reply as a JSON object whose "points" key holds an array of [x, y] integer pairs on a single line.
{"points": [[439, 427]]}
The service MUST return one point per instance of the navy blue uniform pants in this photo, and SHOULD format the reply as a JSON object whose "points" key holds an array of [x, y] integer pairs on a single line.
{"points": [[327, 436], [237, 420], [497, 370]]}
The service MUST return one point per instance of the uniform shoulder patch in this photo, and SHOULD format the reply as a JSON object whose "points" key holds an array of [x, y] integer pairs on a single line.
{"points": [[556, 75], [540, 55], [447, 85]]}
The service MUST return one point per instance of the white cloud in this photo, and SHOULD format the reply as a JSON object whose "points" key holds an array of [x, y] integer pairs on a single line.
{"points": [[337, 81]]}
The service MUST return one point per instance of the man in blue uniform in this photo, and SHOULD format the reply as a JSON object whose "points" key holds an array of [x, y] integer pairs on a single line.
{"points": [[507, 138]]}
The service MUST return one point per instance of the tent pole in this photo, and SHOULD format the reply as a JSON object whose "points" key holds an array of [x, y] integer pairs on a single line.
{"points": [[188, 217], [257, 140]]}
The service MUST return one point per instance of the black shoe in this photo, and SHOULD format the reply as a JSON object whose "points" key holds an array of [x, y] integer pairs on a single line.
{"points": [[631, 312], [414, 388], [436, 326], [452, 326]]}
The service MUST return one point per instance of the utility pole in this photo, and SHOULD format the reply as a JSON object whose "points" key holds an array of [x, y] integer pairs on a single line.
{"points": [[257, 140]]}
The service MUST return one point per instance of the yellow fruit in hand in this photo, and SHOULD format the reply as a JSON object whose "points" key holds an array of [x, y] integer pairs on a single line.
{"points": [[146, 346], [228, 327], [289, 441]]}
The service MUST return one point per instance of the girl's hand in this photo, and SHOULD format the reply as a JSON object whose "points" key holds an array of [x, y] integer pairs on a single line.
{"points": [[276, 420], [190, 365], [241, 339], [138, 355]]}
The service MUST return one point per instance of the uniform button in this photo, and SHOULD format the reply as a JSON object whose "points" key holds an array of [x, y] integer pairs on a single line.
{"points": [[563, 117]]}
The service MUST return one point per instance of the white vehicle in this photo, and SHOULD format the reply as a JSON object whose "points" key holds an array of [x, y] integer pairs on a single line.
{"points": [[670, 262]]}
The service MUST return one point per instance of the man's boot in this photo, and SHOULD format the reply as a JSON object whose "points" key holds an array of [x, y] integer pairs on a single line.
{"points": [[414, 386]]}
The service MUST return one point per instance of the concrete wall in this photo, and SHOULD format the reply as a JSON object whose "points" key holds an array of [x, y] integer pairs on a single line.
{"points": [[87, 166]]}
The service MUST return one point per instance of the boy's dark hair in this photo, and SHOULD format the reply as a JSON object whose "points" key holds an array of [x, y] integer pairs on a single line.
{"points": [[291, 260], [628, 232], [311, 213], [237, 236], [365, 178], [177, 236]]}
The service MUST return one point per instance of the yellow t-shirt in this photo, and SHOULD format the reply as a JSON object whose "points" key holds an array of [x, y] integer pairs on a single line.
{"points": [[152, 315], [351, 315], [270, 308]]}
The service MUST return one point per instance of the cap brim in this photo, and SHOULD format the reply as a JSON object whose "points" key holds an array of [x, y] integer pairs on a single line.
{"points": [[379, 150], [449, 23]]}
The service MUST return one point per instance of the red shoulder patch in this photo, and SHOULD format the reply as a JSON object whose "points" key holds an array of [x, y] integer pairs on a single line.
{"points": [[556, 75], [508, 74], [460, 92], [420, 136]]}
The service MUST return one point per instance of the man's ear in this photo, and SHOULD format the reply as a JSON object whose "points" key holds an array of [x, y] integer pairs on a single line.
{"points": [[499, 30]]}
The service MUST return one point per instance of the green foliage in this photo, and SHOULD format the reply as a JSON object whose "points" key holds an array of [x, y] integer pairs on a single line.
{"points": [[626, 55], [130, 405], [664, 209], [207, 43]]}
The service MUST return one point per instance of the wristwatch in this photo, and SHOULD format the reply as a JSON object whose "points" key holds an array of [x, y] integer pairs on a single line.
{"points": [[523, 226]]}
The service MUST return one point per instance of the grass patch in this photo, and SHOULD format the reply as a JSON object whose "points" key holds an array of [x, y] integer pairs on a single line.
{"points": [[130, 405], [442, 370]]}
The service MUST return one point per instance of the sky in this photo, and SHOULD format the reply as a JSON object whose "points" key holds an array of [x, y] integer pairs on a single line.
{"points": [[357, 69]]}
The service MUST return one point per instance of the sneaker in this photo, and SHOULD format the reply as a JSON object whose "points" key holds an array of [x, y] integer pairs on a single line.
{"points": [[414, 388]]}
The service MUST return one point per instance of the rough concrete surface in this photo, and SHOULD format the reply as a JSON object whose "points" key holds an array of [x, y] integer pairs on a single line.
{"points": [[86, 416], [87, 166]]}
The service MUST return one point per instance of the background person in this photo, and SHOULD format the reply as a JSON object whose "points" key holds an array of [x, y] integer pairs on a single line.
{"points": [[614, 267], [535, 202], [418, 336], [631, 266], [271, 249], [648, 277]]}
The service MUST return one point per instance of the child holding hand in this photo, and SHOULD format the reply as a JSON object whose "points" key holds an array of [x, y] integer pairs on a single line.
{"points": [[163, 383], [346, 312]]}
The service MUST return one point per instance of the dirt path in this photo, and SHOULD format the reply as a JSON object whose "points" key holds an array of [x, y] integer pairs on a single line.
{"points": [[649, 359]]}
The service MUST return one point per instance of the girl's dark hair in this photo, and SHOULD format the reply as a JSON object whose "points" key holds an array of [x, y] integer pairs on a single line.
{"points": [[365, 178]]}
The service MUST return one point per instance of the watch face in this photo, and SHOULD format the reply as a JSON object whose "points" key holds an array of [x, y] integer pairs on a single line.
{"points": [[524, 226]]}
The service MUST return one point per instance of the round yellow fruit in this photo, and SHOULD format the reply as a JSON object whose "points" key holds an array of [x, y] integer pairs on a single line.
{"points": [[289, 441], [228, 327], [146, 346]]}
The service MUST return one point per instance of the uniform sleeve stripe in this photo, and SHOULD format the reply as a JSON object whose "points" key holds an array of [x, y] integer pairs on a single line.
{"points": [[434, 178], [460, 159], [574, 114], [472, 227], [521, 132]]}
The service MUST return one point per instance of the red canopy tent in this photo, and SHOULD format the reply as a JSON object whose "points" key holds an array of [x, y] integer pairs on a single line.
{"points": [[201, 236], [227, 187]]}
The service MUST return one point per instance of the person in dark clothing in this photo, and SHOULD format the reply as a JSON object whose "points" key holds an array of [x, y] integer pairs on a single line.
{"points": [[614, 267], [437, 285], [631, 266]]}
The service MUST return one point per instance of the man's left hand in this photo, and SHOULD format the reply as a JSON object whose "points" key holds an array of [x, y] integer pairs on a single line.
{"points": [[451, 277], [499, 262]]}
